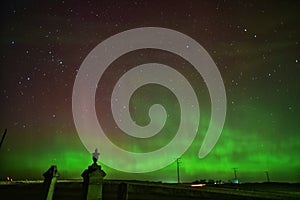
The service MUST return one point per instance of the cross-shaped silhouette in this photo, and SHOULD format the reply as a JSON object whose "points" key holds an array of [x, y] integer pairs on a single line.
{"points": [[96, 154]]}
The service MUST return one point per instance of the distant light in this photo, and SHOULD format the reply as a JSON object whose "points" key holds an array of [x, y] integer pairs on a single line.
{"points": [[235, 181], [198, 185], [9, 178]]}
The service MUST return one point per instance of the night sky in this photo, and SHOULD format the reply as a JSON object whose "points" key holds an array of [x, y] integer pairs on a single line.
{"points": [[255, 45]]}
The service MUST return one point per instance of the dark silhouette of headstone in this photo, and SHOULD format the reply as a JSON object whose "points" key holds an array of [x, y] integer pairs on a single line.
{"points": [[50, 177], [122, 191], [93, 180]]}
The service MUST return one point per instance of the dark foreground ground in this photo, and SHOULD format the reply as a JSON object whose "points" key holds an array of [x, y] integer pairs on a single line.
{"points": [[72, 189]]}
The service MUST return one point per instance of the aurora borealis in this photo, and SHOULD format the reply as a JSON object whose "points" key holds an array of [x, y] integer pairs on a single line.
{"points": [[255, 45]]}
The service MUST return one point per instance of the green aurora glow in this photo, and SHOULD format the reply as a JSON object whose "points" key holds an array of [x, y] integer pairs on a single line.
{"points": [[255, 46]]}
